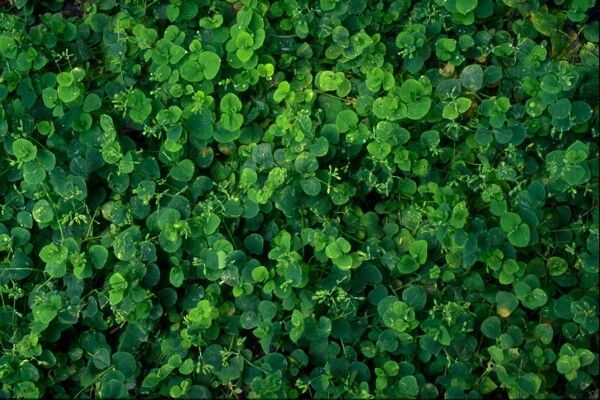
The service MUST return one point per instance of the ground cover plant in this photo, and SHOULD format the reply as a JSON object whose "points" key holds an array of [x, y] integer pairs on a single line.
{"points": [[281, 199]]}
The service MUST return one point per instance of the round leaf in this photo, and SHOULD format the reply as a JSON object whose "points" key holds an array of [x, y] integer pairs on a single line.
{"points": [[209, 63], [561, 109], [415, 296], [114, 389], [124, 362], [521, 236], [529, 383], [557, 266], [418, 109], [24, 150], [34, 172], [346, 120], [183, 171], [260, 274], [99, 255], [506, 303], [230, 103], [471, 77], [249, 320], [311, 186], [255, 244], [411, 90], [465, 6], [191, 71], [68, 93], [306, 163], [581, 112], [509, 221], [42, 212], [491, 327], [232, 121]]}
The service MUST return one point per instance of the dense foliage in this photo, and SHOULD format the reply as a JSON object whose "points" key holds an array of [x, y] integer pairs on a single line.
{"points": [[332, 197]]}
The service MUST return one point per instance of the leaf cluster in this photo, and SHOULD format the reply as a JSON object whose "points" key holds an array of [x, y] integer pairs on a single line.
{"points": [[332, 198]]}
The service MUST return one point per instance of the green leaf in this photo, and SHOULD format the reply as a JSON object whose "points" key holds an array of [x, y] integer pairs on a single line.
{"points": [[191, 71], [520, 236], [409, 386], [46, 311], [491, 327], [346, 120], [282, 91], [450, 111], [92, 102], [529, 383], [506, 303], [293, 273], [306, 163], [329, 80], [465, 6], [577, 152], [99, 255], [487, 385], [151, 380], [140, 106], [233, 209], [415, 297], [550, 84], [56, 270], [200, 125], [244, 54], [260, 274], [34, 172], [561, 109], [387, 340], [509, 221], [67, 94], [244, 16], [249, 320], [124, 245], [544, 332], [24, 150], [407, 265], [534, 299], [176, 276], [118, 282], [567, 363], [557, 266], [231, 122], [172, 12], [418, 249], [562, 307], [167, 217], [183, 171], [581, 112], [337, 248], [42, 212], [471, 77], [418, 109], [255, 244], [535, 106], [230, 103], [244, 41], [51, 253], [124, 362], [209, 63], [463, 104], [114, 389], [101, 358], [411, 90], [311, 186]]}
